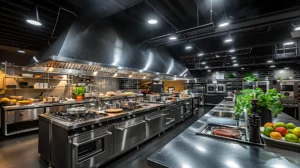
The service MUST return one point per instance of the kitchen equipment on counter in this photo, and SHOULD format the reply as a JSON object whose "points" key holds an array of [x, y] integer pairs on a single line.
{"points": [[17, 97], [171, 90], [34, 99], [24, 102], [51, 99], [23, 84], [288, 90], [220, 88], [95, 94], [77, 110], [131, 104], [264, 85], [153, 98], [70, 99], [114, 110], [210, 88], [249, 85], [87, 94]]}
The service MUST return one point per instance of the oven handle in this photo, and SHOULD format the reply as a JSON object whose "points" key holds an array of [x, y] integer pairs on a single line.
{"points": [[94, 139], [123, 128]]}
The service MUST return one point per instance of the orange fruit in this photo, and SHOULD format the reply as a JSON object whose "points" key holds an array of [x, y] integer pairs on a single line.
{"points": [[268, 124], [276, 135]]}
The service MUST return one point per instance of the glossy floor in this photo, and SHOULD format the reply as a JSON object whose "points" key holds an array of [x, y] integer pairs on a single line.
{"points": [[21, 151]]}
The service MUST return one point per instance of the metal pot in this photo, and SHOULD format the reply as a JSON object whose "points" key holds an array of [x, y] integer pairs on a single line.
{"points": [[132, 104], [77, 110]]}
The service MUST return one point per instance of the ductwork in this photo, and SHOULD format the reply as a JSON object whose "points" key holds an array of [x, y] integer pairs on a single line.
{"points": [[92, 46]]}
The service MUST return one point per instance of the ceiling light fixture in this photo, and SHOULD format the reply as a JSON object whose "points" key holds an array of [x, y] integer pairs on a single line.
{"points": [[286, 68], [272, 66], [231, 50], [269, 61], [234, 61], [209, 70], [288, 43], [34, 18], [21, 50], [206, 67], [200, 54], [223, 24], [233, 57], [297, 28], [173, 38], [203, 63], [235, 64], [152, 21], [242, 68], [217, 56], [188, 47], [228, 40]]}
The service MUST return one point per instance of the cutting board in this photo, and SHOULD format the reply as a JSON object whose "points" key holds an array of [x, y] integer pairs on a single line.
{"points": [[116, 110]]}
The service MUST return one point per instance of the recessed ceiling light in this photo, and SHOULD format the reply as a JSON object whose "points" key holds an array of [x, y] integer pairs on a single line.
{"points": [[188, 47], [231, 50], [242, 68], [152, 21], [209, 70], [228, 40], [206, 67], [34, 22], [269, 61], [203, 63], [297, 28], [217, 56], [200, 54], [22, 51], [234, 61], [223, 24], [288, 43], [235, 64], [157, 73], [173, 38], [272, 66], [233, 57], [286, 68]]}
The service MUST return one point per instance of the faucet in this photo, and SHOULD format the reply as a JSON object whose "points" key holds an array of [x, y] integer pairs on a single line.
{"points": [[99, 102]]}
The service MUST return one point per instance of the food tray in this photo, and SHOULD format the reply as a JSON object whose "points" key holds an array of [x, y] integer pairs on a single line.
{"points": [[206, 130], [282, 144]]}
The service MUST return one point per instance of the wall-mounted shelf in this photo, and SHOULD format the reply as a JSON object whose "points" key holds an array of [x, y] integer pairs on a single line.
{"points": [[28, 88], [20, 77]]}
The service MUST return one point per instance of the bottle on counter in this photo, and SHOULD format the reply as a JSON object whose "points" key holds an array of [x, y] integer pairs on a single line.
{"points": [[254, 123]]}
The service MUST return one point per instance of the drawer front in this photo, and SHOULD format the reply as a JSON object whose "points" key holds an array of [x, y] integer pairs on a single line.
{"points": [[28, 114]]}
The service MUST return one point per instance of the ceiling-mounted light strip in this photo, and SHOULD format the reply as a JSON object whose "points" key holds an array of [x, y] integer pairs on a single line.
{"points": [[233, 57], [22, 51], [188, 47], [34, 18], [35, 59], [183, 72], [223, 24], [152, 21], [286, 68], [206, 67], [272, 66], [289, 43], [203, 63], [232, 50], [297, 28], [200, 54], [270, 61], [235, 64], [228, 40]]}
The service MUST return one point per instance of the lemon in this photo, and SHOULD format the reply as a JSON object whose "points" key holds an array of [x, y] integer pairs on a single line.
{"points": [[296, 131]]}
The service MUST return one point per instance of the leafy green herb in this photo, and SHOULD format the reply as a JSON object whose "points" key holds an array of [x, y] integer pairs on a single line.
{"points": [[230, 76], [250, 77], [79, 91], [269, 100]]}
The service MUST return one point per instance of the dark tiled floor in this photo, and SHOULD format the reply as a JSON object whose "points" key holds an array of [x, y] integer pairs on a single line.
{"points": [[21, 151]]}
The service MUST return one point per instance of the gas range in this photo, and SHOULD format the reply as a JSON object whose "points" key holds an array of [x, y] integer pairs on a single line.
{"points": [[66, 117]]}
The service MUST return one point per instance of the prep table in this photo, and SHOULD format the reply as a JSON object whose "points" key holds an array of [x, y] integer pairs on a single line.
{"points": [[189, 150]]}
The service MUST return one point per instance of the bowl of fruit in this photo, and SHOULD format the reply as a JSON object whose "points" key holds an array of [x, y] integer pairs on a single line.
{"points": [[7, 102], [282, 135]]}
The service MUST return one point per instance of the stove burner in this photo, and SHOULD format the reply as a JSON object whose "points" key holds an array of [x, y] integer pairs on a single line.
{"points": [[77, 117]]}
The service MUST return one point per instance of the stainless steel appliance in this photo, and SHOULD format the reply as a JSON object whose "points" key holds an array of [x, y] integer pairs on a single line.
{"points": [[220, 88], [249, 85], [91, 148], [128, 133], [264, 85], [287, 89], [211, 88], [15, 116]]}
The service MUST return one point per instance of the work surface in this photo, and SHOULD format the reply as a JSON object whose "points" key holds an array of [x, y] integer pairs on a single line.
{"points": [[189, 150]]}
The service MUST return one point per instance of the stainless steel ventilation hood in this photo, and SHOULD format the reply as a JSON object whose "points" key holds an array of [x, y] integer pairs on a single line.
{"points": [[92, 46]]}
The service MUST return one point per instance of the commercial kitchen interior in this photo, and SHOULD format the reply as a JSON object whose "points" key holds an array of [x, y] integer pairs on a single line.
{"points": [[137, 83]]}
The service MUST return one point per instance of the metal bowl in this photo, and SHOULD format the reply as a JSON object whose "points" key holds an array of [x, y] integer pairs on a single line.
{"points": [[17, 97]]}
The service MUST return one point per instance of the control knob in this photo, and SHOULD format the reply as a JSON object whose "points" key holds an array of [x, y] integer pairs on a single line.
{"points": [[100, 124], [83, 129], [128, 117], [92, 126], [133, 116], [123, 119]]}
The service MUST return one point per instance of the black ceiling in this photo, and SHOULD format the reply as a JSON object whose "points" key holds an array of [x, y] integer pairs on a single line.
{"points": [[172, 15]]}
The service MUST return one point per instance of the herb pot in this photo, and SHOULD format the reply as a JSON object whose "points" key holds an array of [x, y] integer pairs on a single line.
{"points": [[265, 116], [79, 97]]}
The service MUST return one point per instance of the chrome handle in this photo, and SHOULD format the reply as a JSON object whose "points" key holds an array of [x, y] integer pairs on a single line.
{"points": [[94, 139], [123, 128], [152, 118]]}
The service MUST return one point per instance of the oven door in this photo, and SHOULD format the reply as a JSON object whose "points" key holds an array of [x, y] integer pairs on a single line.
{"points": [[220, 88], [211, 88], [92, 148]]}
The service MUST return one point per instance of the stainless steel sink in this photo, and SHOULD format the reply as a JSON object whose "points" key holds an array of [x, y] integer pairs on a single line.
{"points": [[223, 114]]}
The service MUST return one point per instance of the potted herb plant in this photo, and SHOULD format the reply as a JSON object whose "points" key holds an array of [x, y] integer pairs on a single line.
{"points": [[250, 77], [79, 91], [268, 103]]}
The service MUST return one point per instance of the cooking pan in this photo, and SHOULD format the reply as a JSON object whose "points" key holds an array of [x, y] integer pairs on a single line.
{"points": [[77, 110]]}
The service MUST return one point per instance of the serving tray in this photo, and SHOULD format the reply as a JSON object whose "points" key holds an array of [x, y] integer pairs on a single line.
{"points": [[206, 130]]}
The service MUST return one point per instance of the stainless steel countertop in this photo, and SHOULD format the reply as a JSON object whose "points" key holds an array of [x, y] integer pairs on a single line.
{"points": [[189, 150]]}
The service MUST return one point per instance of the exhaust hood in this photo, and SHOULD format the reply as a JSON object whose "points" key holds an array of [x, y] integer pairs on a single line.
{"points": [[92, 46]]}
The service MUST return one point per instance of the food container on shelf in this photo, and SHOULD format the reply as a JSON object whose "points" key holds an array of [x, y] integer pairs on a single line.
{"points": [[87, 94], [45, 85], [27, 75], [95, 94]]}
